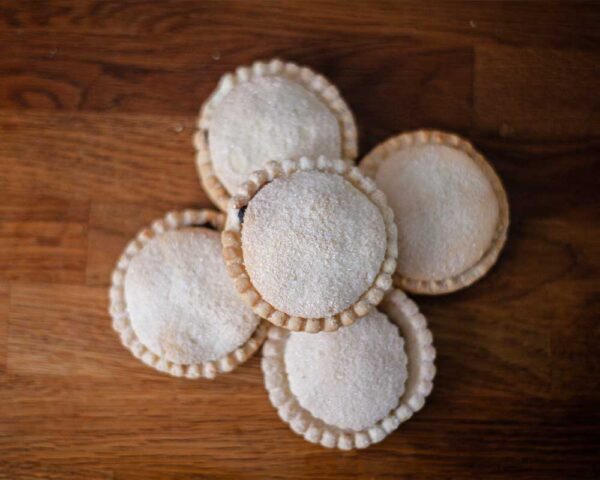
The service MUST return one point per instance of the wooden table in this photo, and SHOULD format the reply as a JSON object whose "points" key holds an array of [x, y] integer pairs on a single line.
{"points": [[98, 102]]}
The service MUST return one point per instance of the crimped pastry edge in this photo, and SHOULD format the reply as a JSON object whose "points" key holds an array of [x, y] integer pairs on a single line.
{"points": [[421, 372], [380, 153], [309, 79], [234, 259], [120, 317]]}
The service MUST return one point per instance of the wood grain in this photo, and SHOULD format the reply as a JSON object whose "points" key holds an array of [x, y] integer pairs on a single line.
{"points": [[98, 101]]}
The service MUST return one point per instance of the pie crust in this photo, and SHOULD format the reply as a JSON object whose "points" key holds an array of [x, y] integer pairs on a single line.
{"points": [[421, 371], [234, 256], [120, 317], [454, 282], [305, 77]]}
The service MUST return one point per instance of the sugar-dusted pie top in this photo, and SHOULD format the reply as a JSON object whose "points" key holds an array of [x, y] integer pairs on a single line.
{"points": [[268, 118], [312, 243], [180, 300], [445, 208], [351, 378]]}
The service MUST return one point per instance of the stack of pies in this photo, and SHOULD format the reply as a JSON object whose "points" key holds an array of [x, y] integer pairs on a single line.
{"points": [[311, 254]]}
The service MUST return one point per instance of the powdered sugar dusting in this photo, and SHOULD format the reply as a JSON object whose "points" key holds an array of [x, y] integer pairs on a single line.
{"points": [[445, 209], [312, 243], [268, 118], [350, 378], [180, 300]]}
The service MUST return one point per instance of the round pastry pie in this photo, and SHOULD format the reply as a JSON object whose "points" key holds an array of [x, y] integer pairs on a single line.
{"points": [[174, 305], [269, 111], [310, 244], [449, 206], [351, 388]]}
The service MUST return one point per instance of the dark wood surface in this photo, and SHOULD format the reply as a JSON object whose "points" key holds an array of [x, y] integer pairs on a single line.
{"points": [[98, 101]]}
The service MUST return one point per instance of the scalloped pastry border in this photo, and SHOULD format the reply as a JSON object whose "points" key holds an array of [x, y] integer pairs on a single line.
{"points": [[421, 372], [120, 317], [380, 153], [234, 257], [312, 81]]}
